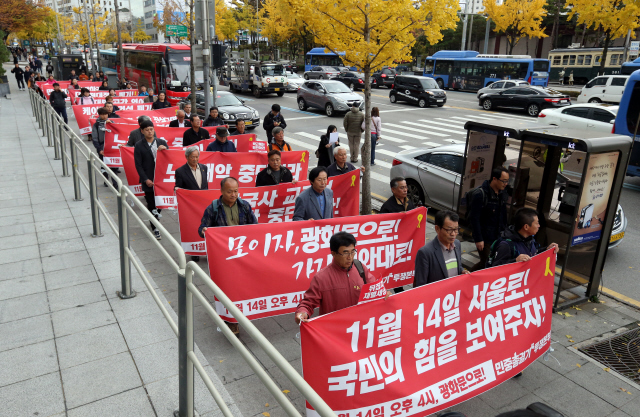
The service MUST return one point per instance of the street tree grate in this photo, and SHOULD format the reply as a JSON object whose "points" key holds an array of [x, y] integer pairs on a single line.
{"points": [[620, 353]]}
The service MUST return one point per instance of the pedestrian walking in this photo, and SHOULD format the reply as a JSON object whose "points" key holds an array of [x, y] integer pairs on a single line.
{"points": [[273, 119], [136, 135], [19, 74], [162, 102], [57, 99], [353, 126], [196, 133], [571, 78], [85, 97], [49, 69], [376, 128], [97, 136], [324, 153]]}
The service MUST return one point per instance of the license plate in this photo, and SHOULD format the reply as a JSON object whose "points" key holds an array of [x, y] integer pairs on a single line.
{"points": [[564, 101], [247, 122], [440, 101], [616, 237], [277, 89]]}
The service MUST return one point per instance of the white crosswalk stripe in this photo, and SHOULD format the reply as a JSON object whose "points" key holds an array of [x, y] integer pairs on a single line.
{"points": [[389, 138], [431, 144], [448, 124], [407, 147], [430, 126], [466, 119], [314, 147], [416, 130], [449, 121]]}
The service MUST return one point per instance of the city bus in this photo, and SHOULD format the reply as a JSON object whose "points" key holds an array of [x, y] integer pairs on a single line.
{"points": [[584, 63], [471, 71], [628, 119], [318, 56], [629, 67], [108, 59]]}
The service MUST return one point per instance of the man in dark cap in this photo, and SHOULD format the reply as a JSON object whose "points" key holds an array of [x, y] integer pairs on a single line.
{"points": [[221, 144]]}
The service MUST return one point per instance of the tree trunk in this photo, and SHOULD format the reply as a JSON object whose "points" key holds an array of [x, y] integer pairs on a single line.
{"points": [[584, 33], [120, 51], [605, 50], [554, 29], [192, 67], [366, 149]]}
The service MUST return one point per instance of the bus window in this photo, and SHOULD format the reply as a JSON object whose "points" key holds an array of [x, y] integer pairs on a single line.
{"points": [[633, 109], [597, 59], [565, 60], [510, 70], [587, 60], [580, 59], [556, 60], [540, 65], [428, 66], [493, 69], [613, 60], [444, 67], [572, 60], [479, 69], [524, 70]]}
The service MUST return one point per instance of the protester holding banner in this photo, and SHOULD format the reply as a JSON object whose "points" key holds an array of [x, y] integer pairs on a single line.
{"points": [[275, 173], [213, 119], [162, 102], [441, 258], [145, 154], [398, 202], [181, 122], [278, 140], [235, 211], [109, 99], [73, 75], [112, 113], [143, 91], [104, 86], [239, 129], [221, 144], [187, 110], [136, 135], [337, 285], [316, 202], [340, 166], [97, 136], [273, 119], [73, 85], [196, 133], [51, 80], [85, 97], [57, 99], [83, 76]]}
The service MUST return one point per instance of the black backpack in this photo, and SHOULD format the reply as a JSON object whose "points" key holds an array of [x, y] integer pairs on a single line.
{"points": [[468, 197], [494, 250], [360, 269]]}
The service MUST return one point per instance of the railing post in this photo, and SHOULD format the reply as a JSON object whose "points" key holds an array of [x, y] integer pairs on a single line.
{"points": [[63, 148], [93, 192], [185, 344], [54, 133], [77, 191], [123, 238], [47, 123]]}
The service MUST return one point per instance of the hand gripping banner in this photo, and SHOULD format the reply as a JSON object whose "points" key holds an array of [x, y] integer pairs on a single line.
{"points": [[271, 204], [429, 348], [129, 164], [265, 269]]}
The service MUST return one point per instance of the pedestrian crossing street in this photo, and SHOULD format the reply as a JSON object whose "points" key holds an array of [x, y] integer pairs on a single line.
{"points": [[398, 136]]}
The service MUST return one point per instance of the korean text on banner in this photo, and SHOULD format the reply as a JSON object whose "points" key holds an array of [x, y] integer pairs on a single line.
{"points": [[117, 101], [129, 164], [64, 86], [271, 204], [265, 269], [103, 93], [427, 349], [85, 113], [244, 166]]}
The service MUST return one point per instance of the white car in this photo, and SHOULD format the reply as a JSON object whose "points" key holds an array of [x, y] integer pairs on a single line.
{"points": [[598, 117], [295, 81]]}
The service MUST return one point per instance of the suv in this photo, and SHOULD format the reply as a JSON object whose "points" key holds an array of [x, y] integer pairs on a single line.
{"points": [[419, 90], [605, 88], [385, 77], [328, 95]]}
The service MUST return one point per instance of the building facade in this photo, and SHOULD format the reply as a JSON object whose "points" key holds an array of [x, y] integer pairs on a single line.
{"points": [[152, 8]]}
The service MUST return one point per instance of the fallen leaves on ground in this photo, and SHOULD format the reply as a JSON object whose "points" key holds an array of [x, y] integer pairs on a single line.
{"points": [[578, 365], [265, 414], [286, 391]]}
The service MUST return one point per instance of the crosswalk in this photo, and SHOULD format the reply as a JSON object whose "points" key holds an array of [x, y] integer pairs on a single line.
{"points": [[399, 136]]}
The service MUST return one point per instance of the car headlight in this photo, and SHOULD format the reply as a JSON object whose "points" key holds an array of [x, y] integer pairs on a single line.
{"points": [[256, 114], [225, 116], [429, 92]]}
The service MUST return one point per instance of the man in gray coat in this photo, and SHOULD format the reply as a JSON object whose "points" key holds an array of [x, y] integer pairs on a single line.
{"points": [[316, 202], [353, 126], [442, 257]]}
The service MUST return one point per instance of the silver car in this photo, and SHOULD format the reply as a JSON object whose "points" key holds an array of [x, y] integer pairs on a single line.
{"points": [[328, 95], [321, 73], [500, 86], [295, 81]]}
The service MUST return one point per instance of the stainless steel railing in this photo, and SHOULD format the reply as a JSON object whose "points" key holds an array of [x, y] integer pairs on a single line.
{"points": [[58, 135]]}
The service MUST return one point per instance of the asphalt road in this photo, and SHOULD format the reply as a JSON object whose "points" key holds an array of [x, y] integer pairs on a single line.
{"points": [[406, 127]]}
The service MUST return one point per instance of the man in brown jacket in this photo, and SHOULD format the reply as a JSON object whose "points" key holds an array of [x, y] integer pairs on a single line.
{"points": [[353, 126]]}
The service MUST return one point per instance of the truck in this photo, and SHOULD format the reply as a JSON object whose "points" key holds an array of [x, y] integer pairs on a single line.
{"points": [[257, 77]]}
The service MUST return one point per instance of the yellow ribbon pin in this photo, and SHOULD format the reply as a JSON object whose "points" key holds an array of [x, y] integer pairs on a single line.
{"points": [[420, 217], [302, 159], [353, 180], [547, 268]]}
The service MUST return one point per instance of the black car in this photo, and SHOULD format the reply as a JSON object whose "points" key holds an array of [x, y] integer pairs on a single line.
{"points": [[419, 90], [353, 80], [531, 99], [385, 77], [290, 66], [230, 109]]}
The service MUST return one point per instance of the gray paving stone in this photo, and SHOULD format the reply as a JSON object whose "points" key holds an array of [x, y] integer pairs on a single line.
{"points": [[73, 296], [27, 362], [23, 307], [151, 370], [536, 376], [64, 246], [18, 287], [65, 261], [603, 384], [28, 239], [16, 202], [134, 402], [504, 394], [16, 219], [619, 413], [48, 197], [146, 330], [12, 211], [46, 207], [26, 331], [19, 254], [474, 407], [46, 225], [633, 407], [17, 230], [78, 319], [58, 235], [572, 400], [99, 379], [90, 345], [88, 220], [70, 277], [143, 304], [259, 395], [21, 269], [45, 397]]}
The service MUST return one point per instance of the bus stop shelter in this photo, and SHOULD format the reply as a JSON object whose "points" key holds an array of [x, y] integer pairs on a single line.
{"points": [[573, 178]]}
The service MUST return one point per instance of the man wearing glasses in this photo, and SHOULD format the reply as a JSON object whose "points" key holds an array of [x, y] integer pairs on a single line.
{"points": [[338, 285], [488, 212], [442, 257]]}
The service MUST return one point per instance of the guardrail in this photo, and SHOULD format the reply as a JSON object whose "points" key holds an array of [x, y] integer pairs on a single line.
{"points": [[58, 134]]}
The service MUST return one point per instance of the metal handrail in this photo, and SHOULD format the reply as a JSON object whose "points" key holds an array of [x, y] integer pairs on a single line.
{"points": [[51, 122]]}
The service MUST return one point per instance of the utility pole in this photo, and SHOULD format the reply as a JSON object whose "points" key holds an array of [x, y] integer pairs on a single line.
{"points": [[473, 10], [213, 38], [258, 27], [464, 26], [120, 51], [86, 19], [131, 21], [206, 57], [95, 31], [626, 46], [55, 9], [486, 36]]}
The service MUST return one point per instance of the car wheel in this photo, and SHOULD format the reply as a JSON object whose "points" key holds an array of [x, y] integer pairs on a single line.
{"points": [[415, 193], [487, 104], [351, 87], [440, 105], [280, 93], [595, 100], [306, 76], [422, 103], [392, 98], [256, 92], [533, 109], [328, 109], [302, 105], [440, 83]]}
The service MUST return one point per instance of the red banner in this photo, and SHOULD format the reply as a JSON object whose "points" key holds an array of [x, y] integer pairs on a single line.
{"points": [[271, 204], [87, 113], [48, 88], [265, 269], [129, 164], [427, 349], [244, 166], [103, 93]]}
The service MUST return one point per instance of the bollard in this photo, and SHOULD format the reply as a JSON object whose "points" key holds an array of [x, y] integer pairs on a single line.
{"points": [[63, 148], [123, 238], [93, 192], [77, 191], [185, 344]]}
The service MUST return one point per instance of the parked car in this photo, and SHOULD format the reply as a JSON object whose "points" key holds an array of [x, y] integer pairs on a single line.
{"points": [[402, 69], [419, 90], [230, 108], [433, 179], [501, 86], [295, 81], [531, 99], [603, 89], [598, 117], [322, 73], [329, 95], [353, 80], [384, 77], [341, 68], [290, 66]]}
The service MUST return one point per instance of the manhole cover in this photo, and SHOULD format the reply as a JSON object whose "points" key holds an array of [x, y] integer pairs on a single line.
{"points": [[621, 353]]}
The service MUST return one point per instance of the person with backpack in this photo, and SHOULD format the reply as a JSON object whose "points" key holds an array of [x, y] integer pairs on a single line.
{"points": [[57, 99], [487, 212], [517, 243], [337, 285]]}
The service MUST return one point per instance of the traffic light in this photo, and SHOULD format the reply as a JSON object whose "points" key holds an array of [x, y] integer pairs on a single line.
{"points": [[219, 53]]}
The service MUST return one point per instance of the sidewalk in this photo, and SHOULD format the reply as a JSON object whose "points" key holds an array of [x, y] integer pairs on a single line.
{"points": [[69, 345]]}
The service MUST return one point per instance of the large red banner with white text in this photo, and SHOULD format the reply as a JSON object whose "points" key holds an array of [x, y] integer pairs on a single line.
{"points": [[64, 86], [265, 269], [271, 204], [244, 166], [87, 113], [129, 164], [429, 348], [103, 93], [117, 101]]}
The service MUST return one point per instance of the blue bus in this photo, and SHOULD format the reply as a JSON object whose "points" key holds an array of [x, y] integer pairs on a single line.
{"points": [[628, 119], [629, 67], [468, 70], [317, 56], [108, 60]]}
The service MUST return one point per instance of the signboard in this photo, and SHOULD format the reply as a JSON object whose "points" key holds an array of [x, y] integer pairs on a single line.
{"points": [[633, 47], [480, 152], [176, 30]]}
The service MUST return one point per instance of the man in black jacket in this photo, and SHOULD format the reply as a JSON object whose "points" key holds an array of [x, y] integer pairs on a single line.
{"points": [[398, 202], [97, 136], [112, 112], [273, 119], [145, 154], [275, 173], [57, 99], [19, 74], [136, 135], [73, 75], [196, 133], [213, 119]]}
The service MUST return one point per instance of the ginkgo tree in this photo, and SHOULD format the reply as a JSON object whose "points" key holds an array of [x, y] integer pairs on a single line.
{"points": [[373, 34], [614, 17], [517, 19]]}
